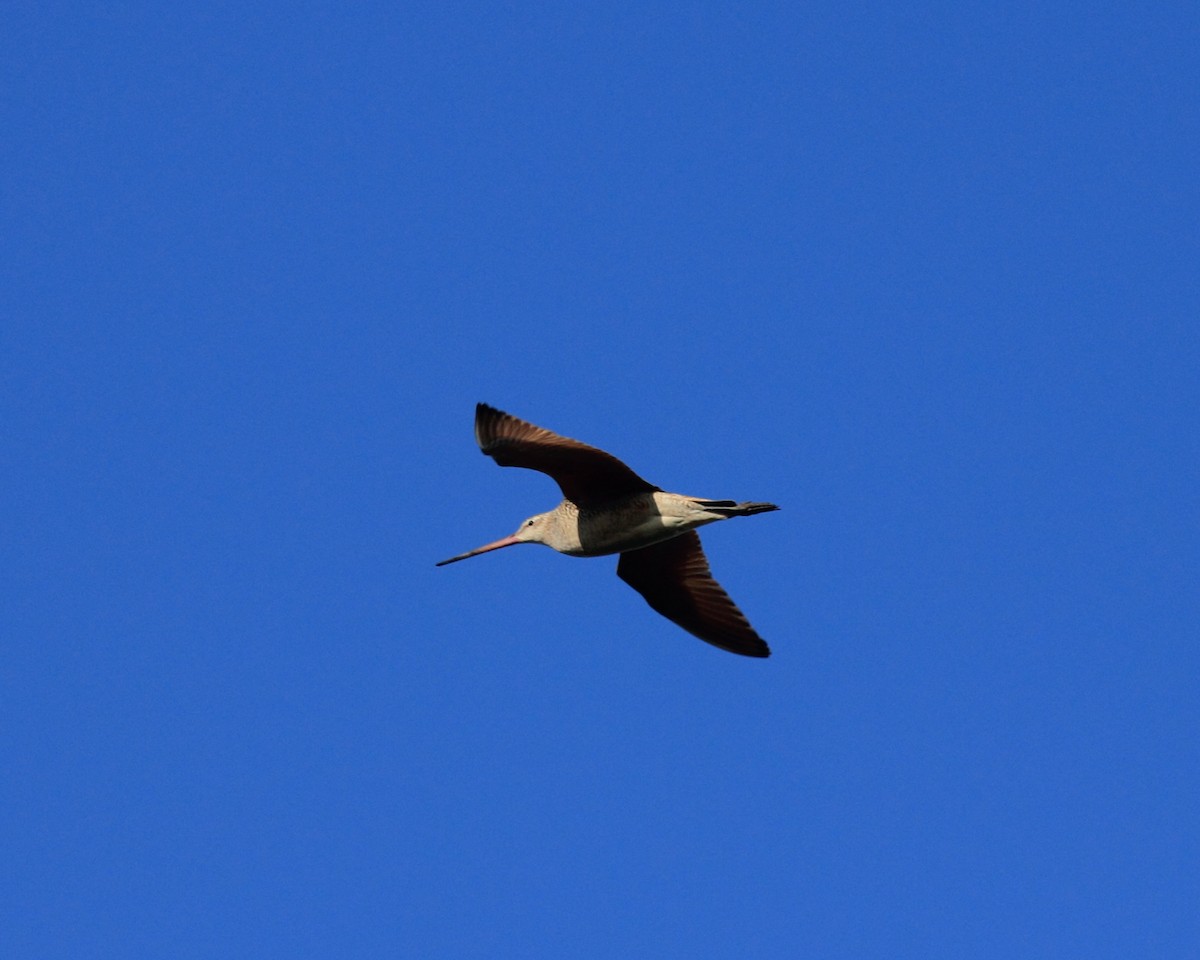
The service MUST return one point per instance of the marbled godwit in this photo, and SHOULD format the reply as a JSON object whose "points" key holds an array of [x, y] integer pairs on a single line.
{"points": [[607, 508]]}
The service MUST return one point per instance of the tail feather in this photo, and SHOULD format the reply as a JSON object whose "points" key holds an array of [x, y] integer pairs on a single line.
{"points": [[731, 508]]}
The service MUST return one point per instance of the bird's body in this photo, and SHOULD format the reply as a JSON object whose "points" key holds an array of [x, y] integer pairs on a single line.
{"points": [[630, 523], [607, 509]]}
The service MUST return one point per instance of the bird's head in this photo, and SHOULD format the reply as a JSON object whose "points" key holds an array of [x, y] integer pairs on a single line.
{"points": [[532, 530]]}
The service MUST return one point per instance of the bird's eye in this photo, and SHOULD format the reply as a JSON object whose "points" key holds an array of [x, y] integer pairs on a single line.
{"points": [[529, 523]]}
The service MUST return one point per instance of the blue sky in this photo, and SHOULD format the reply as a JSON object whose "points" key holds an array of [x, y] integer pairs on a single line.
{"points": [[926, 276]]}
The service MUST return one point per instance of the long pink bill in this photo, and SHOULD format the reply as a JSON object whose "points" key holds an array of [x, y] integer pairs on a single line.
{"points": [[505, 542]]}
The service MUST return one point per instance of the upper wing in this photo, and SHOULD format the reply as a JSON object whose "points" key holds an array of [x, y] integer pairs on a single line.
{"points": [[586, 475], [674, 578]]}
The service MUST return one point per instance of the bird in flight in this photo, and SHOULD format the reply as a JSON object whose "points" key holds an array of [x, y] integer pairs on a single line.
{"points": [[607, 508]]}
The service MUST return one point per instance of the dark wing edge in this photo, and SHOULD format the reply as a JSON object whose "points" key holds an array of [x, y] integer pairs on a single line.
{"points": [[674, 578], [586, 475]]}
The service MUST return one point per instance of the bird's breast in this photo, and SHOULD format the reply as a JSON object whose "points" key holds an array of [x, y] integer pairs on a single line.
{"points": [[634, 522]]}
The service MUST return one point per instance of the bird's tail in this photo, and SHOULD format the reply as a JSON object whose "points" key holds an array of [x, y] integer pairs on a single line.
{"points": [[731, 508]]}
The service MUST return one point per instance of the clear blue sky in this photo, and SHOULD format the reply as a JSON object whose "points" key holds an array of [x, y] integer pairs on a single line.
{"points": [[928, 277]]}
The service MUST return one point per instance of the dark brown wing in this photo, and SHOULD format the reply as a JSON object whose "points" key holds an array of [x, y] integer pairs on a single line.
{"points": [[674, 578], [587, 476]]}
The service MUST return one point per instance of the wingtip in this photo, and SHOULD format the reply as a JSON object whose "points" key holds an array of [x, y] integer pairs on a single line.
{"points": [[483, 411], [485, 416], [746, 647]]}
